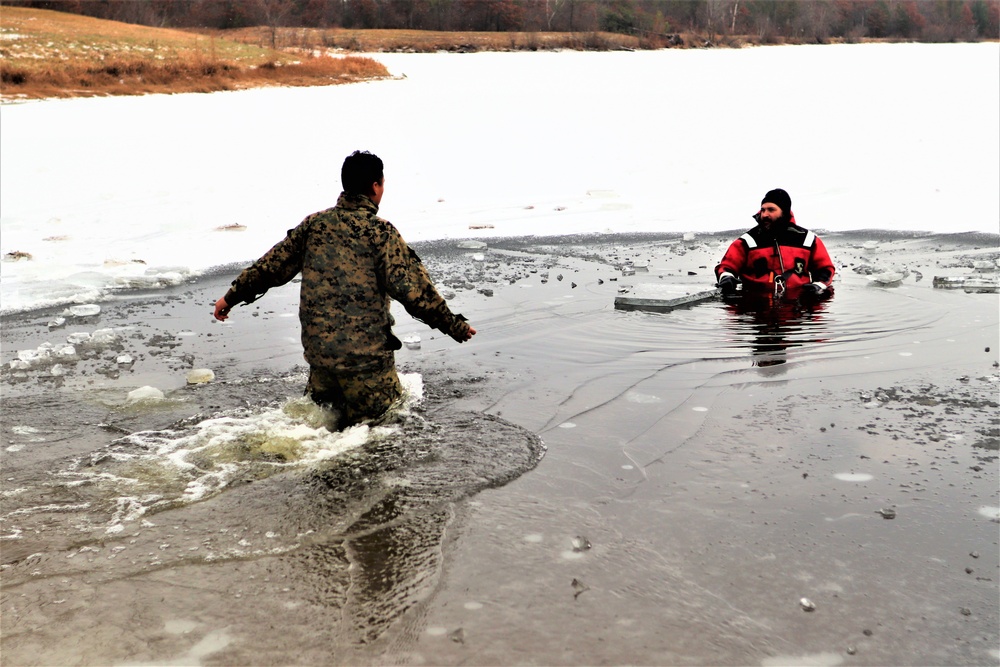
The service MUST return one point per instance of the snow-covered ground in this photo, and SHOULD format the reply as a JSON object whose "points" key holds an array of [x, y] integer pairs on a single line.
{"points": [[138, 191]]}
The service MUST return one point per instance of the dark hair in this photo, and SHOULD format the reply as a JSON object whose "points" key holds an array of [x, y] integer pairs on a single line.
{"points": [[360, 170]]}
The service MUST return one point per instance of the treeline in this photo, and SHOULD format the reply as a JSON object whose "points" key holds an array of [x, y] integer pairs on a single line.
{"points": [[763, 20]]}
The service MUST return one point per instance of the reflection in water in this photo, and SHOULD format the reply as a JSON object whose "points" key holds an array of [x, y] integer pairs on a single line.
{"points": [[381, 566], [389, 513], [394, 568], [776, 324]]}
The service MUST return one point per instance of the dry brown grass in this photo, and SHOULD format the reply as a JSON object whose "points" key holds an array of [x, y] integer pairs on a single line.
{"points": [[427, 41], [53, 54]]}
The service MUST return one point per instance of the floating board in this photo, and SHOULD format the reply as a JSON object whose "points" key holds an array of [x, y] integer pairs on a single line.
{"points": [[663, 298]]}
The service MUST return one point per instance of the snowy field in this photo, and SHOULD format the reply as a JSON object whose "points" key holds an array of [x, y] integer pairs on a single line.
{"points": [[135, 192]]}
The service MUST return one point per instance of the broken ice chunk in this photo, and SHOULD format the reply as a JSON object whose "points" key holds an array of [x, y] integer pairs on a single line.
{"points": [[104, 337], [144, 395], [200, 376], [85, 310], [888, 278], [78, 338], [66, 352]]}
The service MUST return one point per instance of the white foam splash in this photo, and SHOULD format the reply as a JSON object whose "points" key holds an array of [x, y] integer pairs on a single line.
{"points": [[196, 462]]}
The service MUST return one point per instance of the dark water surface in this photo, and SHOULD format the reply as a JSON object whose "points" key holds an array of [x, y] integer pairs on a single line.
{"points": [[577, 485]]}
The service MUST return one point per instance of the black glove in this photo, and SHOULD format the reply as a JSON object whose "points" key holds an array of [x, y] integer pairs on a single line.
{"points": [[814, 290], [727, 283]]}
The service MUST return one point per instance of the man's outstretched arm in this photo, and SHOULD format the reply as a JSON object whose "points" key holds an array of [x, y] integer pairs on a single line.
{"points": [[406, 280], [278, 265]]}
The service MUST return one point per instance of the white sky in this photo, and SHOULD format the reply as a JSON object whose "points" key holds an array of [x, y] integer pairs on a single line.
{"points": [[896, 136]]}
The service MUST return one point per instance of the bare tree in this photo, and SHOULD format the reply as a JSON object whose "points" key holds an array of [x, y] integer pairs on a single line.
{"points": [[552, 8], [270, 13]]}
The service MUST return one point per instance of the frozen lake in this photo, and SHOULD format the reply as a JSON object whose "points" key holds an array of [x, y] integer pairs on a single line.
{"points": [[132, 192], [799, 485]]}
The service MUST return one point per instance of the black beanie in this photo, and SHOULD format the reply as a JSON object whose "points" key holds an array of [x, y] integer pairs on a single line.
{"points": [[779, 198]]}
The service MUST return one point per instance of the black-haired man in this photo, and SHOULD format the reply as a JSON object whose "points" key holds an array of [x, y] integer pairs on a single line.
{"points": [[352, 263]]}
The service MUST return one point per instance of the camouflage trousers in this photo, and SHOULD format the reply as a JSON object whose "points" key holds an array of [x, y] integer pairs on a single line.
{"points": [[357, 395]]}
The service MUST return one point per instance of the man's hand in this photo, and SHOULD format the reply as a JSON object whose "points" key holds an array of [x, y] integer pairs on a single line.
{"points": [[460, 330], [727, 283], [463, 336], [222, 310], [814, 290]]}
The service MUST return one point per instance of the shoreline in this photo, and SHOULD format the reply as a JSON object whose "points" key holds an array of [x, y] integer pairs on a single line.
{"points": [[315, 73], [45, 59]]}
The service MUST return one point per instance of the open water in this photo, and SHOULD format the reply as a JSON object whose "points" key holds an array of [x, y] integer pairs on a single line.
{"points": [[577, 485]]}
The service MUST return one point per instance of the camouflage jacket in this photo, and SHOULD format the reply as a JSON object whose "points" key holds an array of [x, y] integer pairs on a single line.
{"points": [[352, 262]]}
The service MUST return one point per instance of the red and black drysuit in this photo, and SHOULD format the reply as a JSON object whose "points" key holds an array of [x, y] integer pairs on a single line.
{"points": [[785, 253]]}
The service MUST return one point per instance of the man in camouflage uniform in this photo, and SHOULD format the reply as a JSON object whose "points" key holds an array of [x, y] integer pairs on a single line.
{"points": [[352, 263]]}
